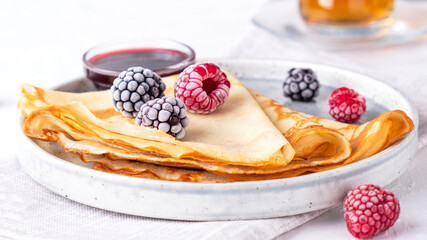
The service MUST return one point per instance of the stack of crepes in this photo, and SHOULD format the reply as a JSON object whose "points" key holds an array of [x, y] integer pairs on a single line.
{"points": [[250, 137]]}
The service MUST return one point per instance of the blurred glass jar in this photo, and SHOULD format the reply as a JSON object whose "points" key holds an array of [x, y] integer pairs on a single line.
{"points": [[347, 13]]}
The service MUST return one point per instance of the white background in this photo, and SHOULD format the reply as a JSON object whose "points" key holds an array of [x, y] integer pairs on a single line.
{"points": [[42, 43]]}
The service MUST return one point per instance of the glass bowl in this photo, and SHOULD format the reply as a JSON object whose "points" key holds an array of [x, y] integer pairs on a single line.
{"points": [[103, 63]]}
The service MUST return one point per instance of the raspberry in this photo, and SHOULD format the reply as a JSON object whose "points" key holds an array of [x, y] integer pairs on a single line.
{"points": [[346, 105], [167, 114], [370, 210], [301, 84], [202, 87]]}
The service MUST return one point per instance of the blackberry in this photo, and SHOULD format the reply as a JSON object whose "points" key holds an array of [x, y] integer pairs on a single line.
{"points": [[168, 114], [134, 87], [301, 84]]}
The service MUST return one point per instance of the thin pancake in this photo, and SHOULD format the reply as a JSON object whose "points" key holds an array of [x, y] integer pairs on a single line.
{"points": [[85, 124], [311, 141], [366, 140], [372, 137], [239, 133], [301, 166], [152, 171]]}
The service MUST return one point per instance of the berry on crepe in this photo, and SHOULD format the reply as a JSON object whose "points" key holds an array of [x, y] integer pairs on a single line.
{"points": [[202, 87]]}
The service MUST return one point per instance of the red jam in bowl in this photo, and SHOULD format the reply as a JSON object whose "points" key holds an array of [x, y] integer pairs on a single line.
{"points": [[104, 63]]}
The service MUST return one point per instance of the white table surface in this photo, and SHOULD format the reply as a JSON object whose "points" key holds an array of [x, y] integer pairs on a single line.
{"points": [[42, 43]]}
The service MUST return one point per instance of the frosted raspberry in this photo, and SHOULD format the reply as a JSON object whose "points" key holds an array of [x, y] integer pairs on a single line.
{"points": [[202, 87], [370, 210], [346, 105]]}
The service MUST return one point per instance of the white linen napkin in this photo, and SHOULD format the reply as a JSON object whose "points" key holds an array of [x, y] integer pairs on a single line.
{"points": [[29, 211]]}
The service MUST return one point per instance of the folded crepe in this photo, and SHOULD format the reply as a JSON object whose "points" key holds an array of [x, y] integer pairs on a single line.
{"points": [[312, 141], [241, 141], [372, 137], [315, 145], [237, 134], [151, 171], [366, 140]]}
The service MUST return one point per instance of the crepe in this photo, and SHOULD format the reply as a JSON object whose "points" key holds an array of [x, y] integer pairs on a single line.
{"points": [[151, 171], [372, 137], [312, 141], [322, 146], [237, 134], [366, 140], [251, 137]]}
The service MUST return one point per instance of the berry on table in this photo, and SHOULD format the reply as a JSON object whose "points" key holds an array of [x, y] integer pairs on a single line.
{"points": [[346, 105], [167, 114], [202, 87], [301, 84], [134, 87], [370, 210]]}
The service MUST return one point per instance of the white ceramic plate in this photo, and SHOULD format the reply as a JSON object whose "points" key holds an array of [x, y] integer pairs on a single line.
{"points": [[67, 176]]}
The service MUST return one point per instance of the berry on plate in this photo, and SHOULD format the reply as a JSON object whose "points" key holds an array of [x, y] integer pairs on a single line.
{"points": [[134, 87], [370, 210], [346, 105], [167, 114], [301, 84], [202, 87]]}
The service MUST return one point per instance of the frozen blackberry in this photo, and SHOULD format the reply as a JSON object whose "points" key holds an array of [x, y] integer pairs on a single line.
{"points": [[301, 84], [134, 87], [168, 114]]}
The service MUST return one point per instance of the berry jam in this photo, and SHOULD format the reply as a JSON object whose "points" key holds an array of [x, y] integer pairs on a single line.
{"points": [[105, 67]]}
